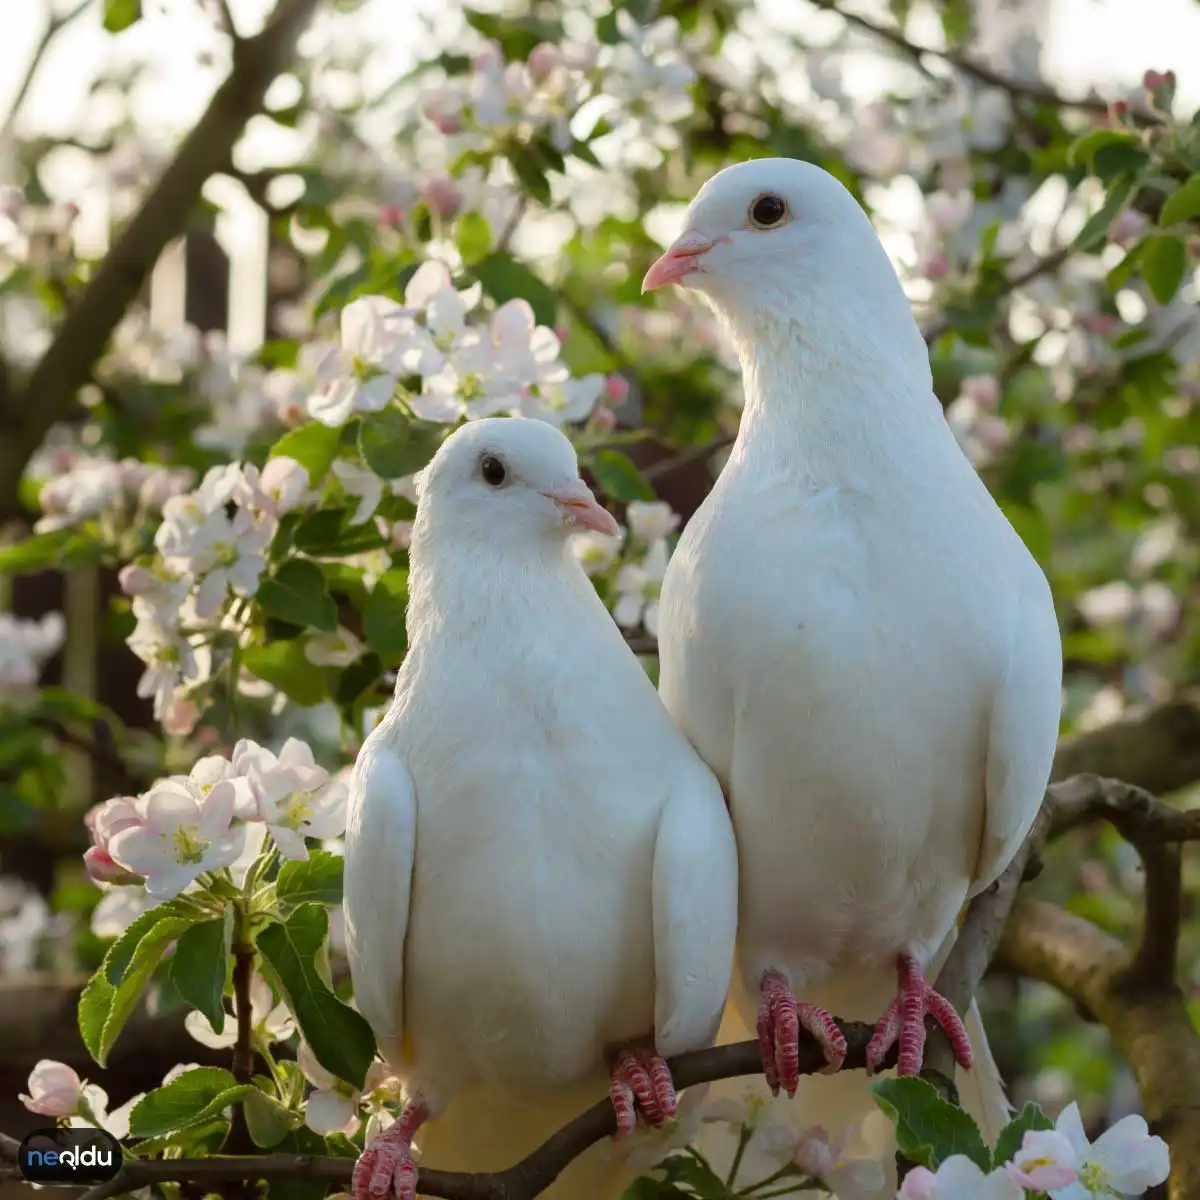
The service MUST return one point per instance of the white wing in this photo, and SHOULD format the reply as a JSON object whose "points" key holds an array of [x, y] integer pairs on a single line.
{"points": [[380, 841], [695, 915], [1022, 735]]}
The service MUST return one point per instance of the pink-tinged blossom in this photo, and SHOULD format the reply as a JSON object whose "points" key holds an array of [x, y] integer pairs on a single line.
{"points": [[181, 838], [293, 796], [1125, 1160], [958, 1178], [823, 1158], [54, 1089]]}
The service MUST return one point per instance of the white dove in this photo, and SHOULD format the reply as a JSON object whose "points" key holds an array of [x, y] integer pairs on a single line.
{"points": [[851, 634], [541, 874]]}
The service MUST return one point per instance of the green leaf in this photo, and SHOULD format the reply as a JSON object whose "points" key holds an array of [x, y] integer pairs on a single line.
{"points": [[120, 14], [474, 236], [269, 1121], [283, 665], [619, 478], [929, 1129], [505, 279], [1120, 192], [1110, 161], [317, 881], [1163, 264], [339, 1037], [1011, 1136], [59, 548], [313, 445], [700, 1180], [1084, 149], [383, 616], [296, 594], [111, 993], [363, 673], [1183, 205], [328, 533], [393, 444], [200, 964], [194, 1097]]}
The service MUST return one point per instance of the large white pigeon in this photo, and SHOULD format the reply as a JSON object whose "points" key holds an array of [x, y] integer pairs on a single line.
{"points": [[851, 634], [541, 874]]}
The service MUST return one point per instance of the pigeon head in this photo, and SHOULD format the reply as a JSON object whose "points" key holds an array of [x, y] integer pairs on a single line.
{"points": [[506, 478], [777, 241]]}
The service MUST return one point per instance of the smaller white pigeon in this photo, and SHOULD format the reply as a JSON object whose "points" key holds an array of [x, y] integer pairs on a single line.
{"points": [[541, 875]]}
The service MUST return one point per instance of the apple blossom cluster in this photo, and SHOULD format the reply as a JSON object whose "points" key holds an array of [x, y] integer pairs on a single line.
{"points": [[630, 569], [509, 364], [187, 826], [332, 1105], [78, 486], [211, 543], [1125, 1160], [25, 645], [639, 84]]}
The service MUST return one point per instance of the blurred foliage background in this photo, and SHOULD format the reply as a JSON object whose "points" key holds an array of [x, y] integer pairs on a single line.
{"points": [[1048, 237]]}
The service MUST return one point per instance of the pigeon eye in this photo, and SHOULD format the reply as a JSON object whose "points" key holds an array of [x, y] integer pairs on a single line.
{"points": [[768, 211], [493, 471]]}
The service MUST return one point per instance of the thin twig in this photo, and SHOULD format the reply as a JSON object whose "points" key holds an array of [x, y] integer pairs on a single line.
{"points": [[81, 337], [102, 756], [530, 1177], [225, 16], [54, 26], [1043, 266], [1041, 93]]}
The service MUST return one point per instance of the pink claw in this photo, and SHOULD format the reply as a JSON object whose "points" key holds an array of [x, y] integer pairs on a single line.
{"points": [[386, 1167], [780, 1019], [905, 1019], [641, 1080]]}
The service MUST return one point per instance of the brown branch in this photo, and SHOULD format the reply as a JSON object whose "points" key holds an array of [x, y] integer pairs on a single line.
{"points": [[1040, 93], [1149, 1026], [50, 393], [1155, 748], [1155, 830], [238, 1140]]}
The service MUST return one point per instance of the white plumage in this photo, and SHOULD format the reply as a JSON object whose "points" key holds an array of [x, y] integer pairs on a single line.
{"points": [[539, 868], [851, 632]]}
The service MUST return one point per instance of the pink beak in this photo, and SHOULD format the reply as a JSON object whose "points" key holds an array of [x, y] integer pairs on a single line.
{"points": [[680, 260], [579, 507]]}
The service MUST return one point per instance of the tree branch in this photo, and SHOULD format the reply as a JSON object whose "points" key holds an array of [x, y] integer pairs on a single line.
{"points": [[1149, 1027], [1156, 748], [1040, 93], [54, 26], [88, 324], [1043, 266]]}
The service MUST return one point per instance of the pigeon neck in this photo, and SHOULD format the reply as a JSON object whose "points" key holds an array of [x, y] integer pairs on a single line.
{"points": [[841, 416], [488, 584]]}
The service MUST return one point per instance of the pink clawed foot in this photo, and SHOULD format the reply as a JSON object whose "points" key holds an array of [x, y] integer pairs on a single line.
{"points": [[386, 1167], [641, 1080], [780, 1019], [905, 1019]]}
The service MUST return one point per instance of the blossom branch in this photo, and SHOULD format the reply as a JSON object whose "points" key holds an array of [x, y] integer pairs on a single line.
{"points": [[239, 1140], [1137, 1000], [1040, 93], [28, 412]]}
